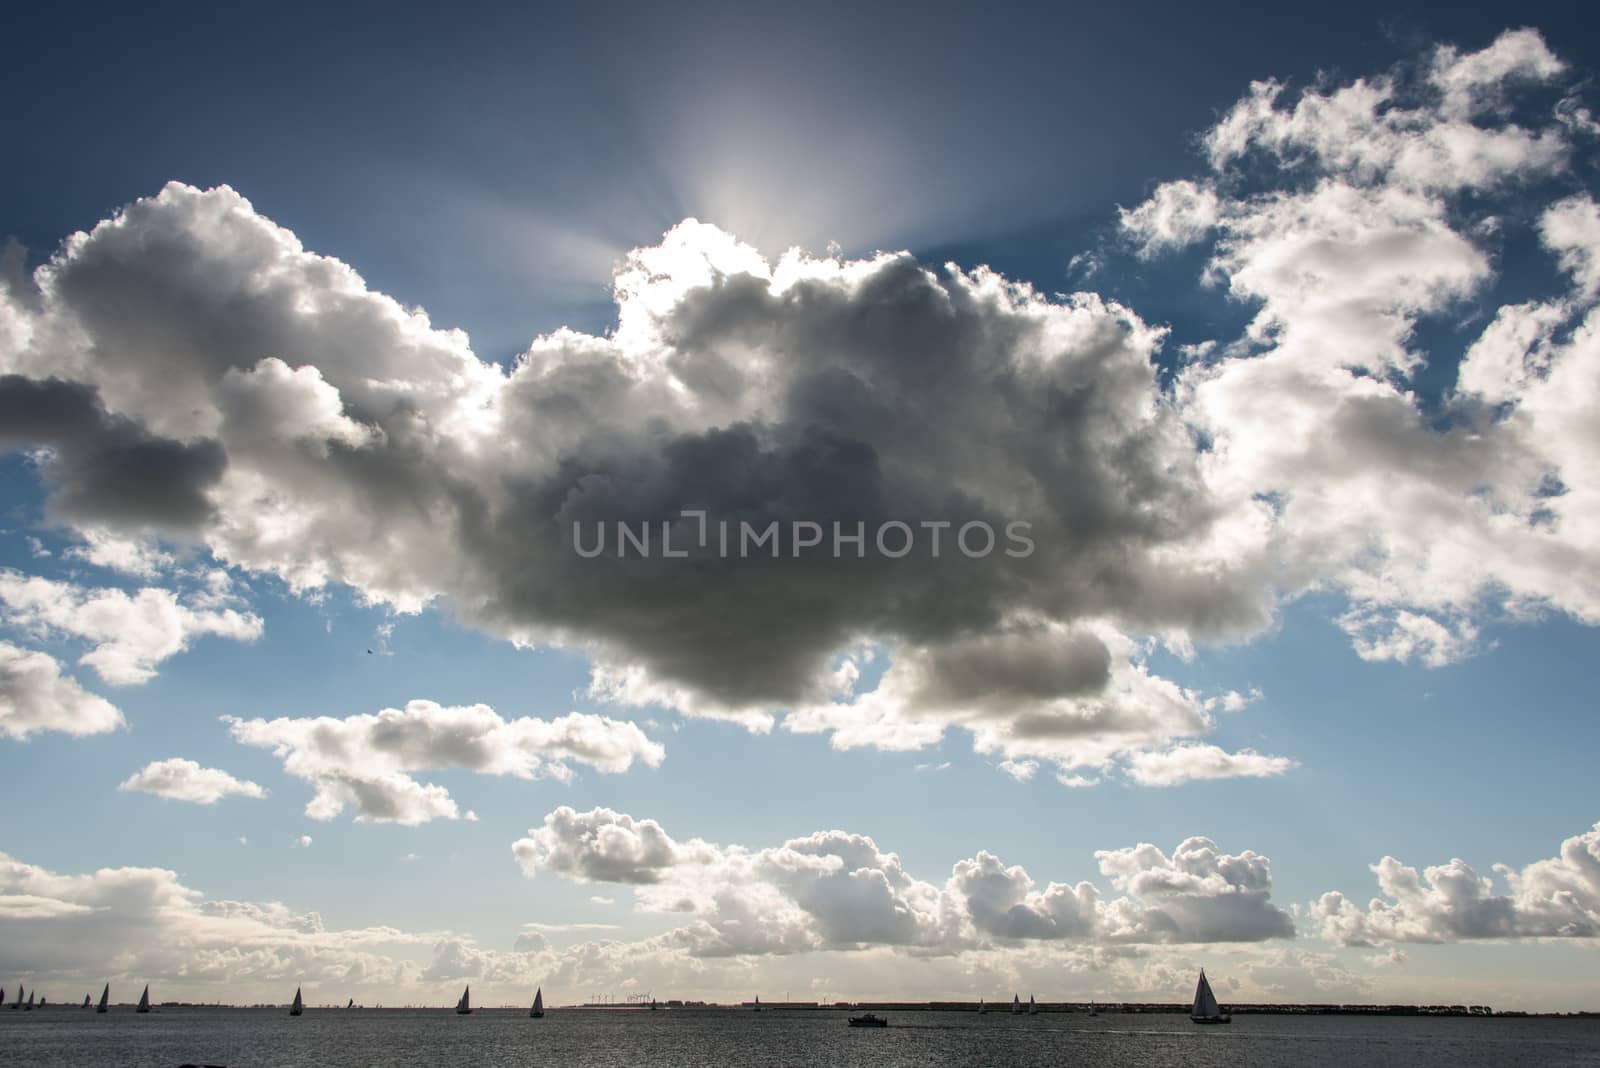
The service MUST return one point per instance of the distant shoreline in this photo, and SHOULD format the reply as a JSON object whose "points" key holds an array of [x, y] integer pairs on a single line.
{"points": [[994, 1008]]}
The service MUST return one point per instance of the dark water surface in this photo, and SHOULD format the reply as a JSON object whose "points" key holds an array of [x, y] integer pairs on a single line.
{"points": [[357, 1038]]}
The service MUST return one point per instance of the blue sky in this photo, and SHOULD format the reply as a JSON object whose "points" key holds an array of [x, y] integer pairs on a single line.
{"points": [[1350, 544]]}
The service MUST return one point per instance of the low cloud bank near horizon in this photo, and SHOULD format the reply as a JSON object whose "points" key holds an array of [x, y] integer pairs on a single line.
{"points": [[836, 890], [1558, 897], [830, 904]]}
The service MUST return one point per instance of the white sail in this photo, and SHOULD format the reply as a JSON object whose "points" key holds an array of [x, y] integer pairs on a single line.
{"points": [[1205, 1002], [144, 1000], [1016, 1005]]}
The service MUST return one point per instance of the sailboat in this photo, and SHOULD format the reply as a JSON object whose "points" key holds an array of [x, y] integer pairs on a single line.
{"points": [[982, 1008], [144, 1000], [1033, 1009], [1206, 1010], [29, 1006], [298, 1006], [1092, 1010], [1016, 1006], [538, 1004], [86, 1001], [464, 1006], [105, 999], [350, 1004], [652, 1004], [758, 1003]]}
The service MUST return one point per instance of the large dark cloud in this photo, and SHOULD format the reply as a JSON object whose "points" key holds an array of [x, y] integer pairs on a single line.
{"points": [[907, 396], [364, 446], [105, 468]]}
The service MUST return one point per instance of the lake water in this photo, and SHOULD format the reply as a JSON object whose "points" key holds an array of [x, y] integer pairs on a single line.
{"points": [[357, 1038]]}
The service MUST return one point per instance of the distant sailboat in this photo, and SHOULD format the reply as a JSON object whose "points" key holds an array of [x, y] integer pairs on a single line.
{"points": [[86, 1001], [29, 1006], [758, 1003], [144, 1000], [1092, 1010], [1206, 1010], [1033, 1009], [538, 1004], [298, 1006], [105, 999], [982, 1008], [350, 1004], [464, 1006], [652, 1004], [1016, 1005]]}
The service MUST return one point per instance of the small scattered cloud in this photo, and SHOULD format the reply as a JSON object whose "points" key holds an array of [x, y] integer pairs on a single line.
{"points": [[35, 696], [1020, 770], [129, 634], [178, 779], [1188, 763]]}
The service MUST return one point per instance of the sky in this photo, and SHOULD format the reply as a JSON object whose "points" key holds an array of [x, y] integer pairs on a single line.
{"points": [[1212, 397]]}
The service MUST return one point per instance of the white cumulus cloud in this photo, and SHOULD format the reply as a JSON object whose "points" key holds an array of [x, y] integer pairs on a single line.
{"points": [[129, 634], [1186, 763], [366, 760], [184, 780], [1554, 898], [834, 890], [36, 696]]}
